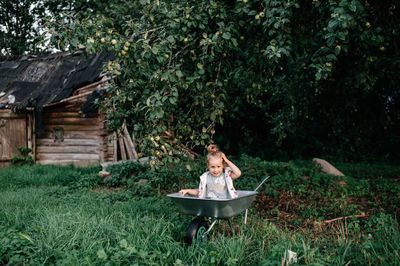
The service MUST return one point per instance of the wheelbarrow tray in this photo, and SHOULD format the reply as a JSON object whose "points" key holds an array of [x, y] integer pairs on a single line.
{"points": [[216, 208]]}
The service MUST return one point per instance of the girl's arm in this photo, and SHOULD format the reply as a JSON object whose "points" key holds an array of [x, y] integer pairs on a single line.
{"points": [[194, 192], [235, 170]]}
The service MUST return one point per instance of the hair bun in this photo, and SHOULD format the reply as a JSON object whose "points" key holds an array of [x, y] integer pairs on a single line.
{"points": [[212, 148]]}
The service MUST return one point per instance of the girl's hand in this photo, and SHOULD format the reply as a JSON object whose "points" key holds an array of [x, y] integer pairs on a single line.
{"points": [[235, 170], [193, 192], [184, 191], [224, 157]]}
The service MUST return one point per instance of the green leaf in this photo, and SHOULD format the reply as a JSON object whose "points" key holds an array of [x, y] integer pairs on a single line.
{"points": [[171, 39], [101, 254], [123, 243], [226, 35], [179, 74]]}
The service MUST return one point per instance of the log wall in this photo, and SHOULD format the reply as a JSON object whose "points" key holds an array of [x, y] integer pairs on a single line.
{"points": [[71, 138]]}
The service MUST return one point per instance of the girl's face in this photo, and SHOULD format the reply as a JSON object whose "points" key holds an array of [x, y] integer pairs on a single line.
{"points": [[215, 166]]}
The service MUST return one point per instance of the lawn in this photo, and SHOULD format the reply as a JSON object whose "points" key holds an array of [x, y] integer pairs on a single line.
{"points": [[70, 216]]}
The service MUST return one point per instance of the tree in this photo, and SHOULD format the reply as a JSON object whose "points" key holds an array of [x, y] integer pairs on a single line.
{"points": [[18, 31], [308, 72]]}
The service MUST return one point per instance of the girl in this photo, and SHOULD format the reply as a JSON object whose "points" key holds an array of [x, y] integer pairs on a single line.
{"points": [[217, 182]]}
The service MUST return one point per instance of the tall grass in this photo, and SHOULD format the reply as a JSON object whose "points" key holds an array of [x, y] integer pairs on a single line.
{"points": [[46, 218]]}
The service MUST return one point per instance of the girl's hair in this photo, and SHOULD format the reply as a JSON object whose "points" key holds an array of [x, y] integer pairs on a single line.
{"points": [[214, 152]]}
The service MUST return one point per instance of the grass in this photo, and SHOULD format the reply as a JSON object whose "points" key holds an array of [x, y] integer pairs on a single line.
{"points": [[67, 216]]}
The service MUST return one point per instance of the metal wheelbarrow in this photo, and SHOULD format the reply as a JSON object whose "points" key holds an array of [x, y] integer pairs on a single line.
{"points": [[216, 209]]}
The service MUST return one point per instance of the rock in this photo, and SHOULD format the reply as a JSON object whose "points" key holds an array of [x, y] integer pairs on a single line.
{"points": [[104, 174], [326, 167]]}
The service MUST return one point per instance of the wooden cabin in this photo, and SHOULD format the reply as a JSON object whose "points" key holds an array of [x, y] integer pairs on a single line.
{"points": [[46, 104]]}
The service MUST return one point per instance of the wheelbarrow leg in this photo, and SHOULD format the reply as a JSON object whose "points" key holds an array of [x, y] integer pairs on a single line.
{"points": [[209, 229], [231, 226]]}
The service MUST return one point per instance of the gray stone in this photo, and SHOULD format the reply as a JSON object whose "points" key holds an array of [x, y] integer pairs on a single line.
{"points": [[326, 167]]}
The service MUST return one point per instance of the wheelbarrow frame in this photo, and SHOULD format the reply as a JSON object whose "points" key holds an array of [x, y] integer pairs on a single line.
{"points": [[216, 209]]}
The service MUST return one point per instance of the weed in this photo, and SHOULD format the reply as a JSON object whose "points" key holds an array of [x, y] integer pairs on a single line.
{"points": [[67, 215]]}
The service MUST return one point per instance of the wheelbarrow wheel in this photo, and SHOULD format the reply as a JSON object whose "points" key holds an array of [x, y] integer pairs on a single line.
{"points": [[196, 230]]}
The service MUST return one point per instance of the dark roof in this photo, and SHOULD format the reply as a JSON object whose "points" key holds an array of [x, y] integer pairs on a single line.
{"points": [[36, 81]]}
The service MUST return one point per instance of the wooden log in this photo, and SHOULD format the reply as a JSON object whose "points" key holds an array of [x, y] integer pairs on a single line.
{"points": [[67, 156], [68, 142], [60, 114], [68, 99], [68, 149], [71, 128], [71, 121], [134, 144], [91, 87], [129, 141], [80, 163], [74, 106], [128, 148], [70, 134], [121, 146], [115, 147]]}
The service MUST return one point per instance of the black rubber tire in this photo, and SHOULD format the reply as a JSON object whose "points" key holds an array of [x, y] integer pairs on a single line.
{"points": [[197, 226]]}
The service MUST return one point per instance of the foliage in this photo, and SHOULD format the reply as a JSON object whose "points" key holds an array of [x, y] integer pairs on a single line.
{"points": [[186, 68], [15, 246], [18, 33], [272, 78], [45, 219], [24, 159], [48, 175]]}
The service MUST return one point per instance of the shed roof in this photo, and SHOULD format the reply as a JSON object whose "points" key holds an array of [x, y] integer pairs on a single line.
{"points": [[36, 81]]}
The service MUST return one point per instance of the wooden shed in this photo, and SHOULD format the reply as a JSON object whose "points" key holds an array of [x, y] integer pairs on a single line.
{"points": [[47, 105]]}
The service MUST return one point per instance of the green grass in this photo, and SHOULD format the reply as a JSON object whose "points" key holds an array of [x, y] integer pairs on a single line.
{"points": [[66, 216]]}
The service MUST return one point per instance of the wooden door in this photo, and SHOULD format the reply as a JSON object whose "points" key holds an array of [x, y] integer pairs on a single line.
{"points": [[13, 134]]}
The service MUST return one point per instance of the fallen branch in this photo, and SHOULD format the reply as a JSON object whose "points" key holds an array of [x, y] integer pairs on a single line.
{"points": [[344, 217]]}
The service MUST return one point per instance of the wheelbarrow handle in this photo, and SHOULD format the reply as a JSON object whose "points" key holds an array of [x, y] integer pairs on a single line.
{"points": [[262, 182], [259, 185]]}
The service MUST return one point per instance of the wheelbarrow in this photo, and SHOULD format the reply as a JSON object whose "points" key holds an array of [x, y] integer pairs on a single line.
{"points": [[206, 209]]}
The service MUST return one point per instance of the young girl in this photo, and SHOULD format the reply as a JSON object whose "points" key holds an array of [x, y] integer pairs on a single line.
{"points": [[217, 182]]}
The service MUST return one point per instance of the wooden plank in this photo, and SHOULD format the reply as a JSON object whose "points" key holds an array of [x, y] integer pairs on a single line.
{"points": [[115, 147], [70, 106], [60, 113], [68, 142], [129, 142], [68, 149], [12, 135], [34, 136], [70, 135], [77, 128], [11, 115], [92, 86], [78, 163], [67, 156], [122, 150], [71, 121], [29, 132], [68, 99]]}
